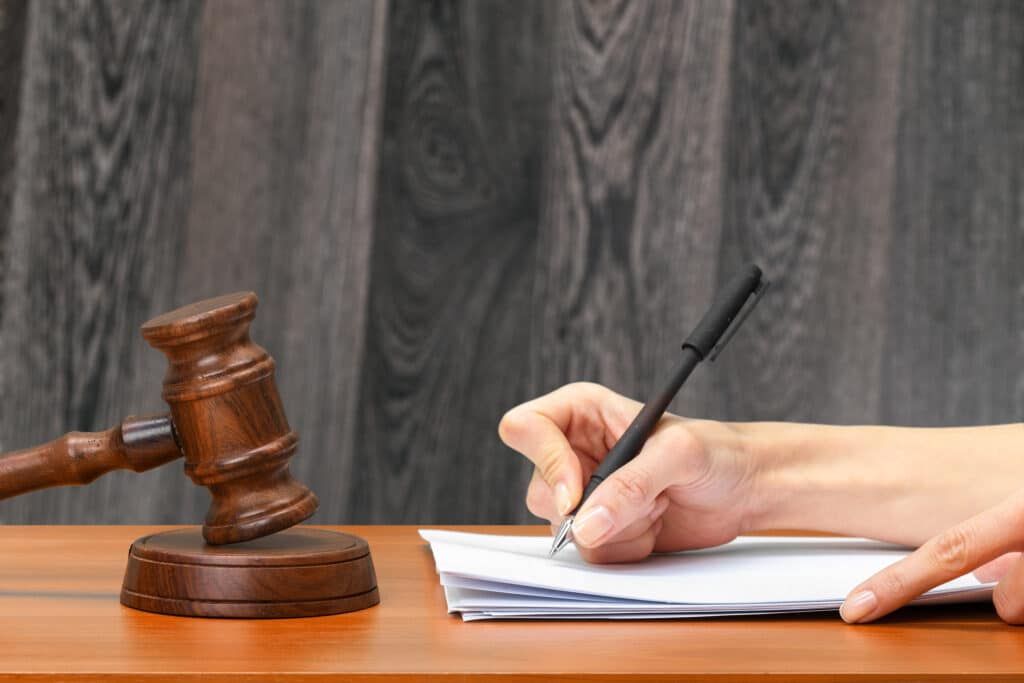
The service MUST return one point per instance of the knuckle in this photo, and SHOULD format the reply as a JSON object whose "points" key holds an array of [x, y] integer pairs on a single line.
{"points": [[508, 425], [686, 440], [952, 550], [633, 486], [590, 391], [689, 452], [891, 584], [1007, 607], [549, 461]]}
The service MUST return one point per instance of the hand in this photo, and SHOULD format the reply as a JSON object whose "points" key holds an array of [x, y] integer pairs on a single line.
{"points": [[983, 543], [690, 486]]}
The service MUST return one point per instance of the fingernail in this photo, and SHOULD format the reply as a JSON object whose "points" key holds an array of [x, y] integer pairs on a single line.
{"points": [[858, 606], [562, 499], [592, 527]]}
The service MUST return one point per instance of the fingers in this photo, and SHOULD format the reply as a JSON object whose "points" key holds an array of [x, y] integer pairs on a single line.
{"points": [[642, 524], [1008, 596], [944, 557], [630, 550], [626, 496], [555, 432], [535, 429], [540, 499], [996, 569]]}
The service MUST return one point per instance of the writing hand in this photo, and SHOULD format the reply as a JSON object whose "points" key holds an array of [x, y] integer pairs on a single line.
{"points": [[690, 486]]}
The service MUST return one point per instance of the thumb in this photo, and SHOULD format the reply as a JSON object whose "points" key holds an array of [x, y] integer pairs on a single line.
{"points": [[624, 497]]}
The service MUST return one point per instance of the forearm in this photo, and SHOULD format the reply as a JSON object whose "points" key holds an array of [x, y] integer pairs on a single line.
{"points": [[892, 483]]}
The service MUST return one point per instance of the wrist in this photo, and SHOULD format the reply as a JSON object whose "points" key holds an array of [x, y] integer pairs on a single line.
{"points": [[758, 447], [805, 476]]}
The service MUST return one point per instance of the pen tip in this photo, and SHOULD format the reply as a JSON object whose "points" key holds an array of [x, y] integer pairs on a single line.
{"points": [[562, 538]]}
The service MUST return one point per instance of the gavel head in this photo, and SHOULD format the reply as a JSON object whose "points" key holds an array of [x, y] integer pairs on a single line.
{"points": [[228, 418]]}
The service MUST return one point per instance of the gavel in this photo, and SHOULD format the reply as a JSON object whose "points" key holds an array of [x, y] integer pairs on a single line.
{"points": [[227, 421]]}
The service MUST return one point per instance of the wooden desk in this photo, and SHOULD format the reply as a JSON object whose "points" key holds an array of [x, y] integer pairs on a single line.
{"points": [[60, 620]]}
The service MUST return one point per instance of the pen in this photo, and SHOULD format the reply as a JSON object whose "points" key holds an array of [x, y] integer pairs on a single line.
{"points": [[712, 333]]}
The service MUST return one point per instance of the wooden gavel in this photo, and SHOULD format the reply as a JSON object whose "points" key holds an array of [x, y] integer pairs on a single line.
{"points": [[226, 420]]}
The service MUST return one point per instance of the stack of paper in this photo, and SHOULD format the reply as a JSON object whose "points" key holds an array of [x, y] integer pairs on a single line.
{"points": [[511, 577]]}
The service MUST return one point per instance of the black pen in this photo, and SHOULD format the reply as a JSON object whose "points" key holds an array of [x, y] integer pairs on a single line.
{"points": [[706, 341]]}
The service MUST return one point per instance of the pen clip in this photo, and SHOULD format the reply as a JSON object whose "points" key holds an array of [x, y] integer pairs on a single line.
{"points": [[748, 306]]}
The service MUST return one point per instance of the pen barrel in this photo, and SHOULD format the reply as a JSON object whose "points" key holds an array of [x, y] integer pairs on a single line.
{"points": [[632, 440], [723, 311]]}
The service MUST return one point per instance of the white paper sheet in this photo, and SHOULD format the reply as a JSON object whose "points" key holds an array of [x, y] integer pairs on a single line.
{"points": [[511, 577]]}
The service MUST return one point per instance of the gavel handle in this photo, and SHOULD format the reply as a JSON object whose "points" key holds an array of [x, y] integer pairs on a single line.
{"points": [[138, 443]]}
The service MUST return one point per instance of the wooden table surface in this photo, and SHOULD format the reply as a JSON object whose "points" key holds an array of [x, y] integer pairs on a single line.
{"points": [[60, 619]]}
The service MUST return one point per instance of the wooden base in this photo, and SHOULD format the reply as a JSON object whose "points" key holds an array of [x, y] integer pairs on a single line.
{"points": [[298, 572]]}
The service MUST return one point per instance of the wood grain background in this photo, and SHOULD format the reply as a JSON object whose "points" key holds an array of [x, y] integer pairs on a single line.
{"points": [[450, 207]]}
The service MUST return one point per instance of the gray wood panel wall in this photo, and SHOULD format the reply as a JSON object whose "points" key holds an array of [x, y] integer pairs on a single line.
{"points": [[450, 207]]}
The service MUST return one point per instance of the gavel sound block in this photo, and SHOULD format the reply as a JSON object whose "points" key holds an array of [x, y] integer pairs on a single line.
{"points": [[227, 420]]}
